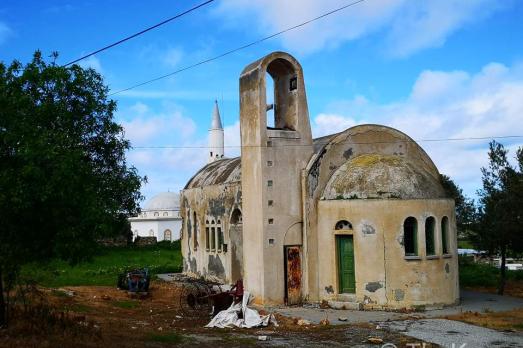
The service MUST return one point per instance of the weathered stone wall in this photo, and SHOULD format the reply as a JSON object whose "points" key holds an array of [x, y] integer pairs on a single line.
{"points": [[144, 241], [384, 276], [214, 202]]}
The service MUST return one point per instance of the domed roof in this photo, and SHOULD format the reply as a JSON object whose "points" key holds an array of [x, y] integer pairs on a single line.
{"points": [[382, 176], [164, 201], [223, 171]]}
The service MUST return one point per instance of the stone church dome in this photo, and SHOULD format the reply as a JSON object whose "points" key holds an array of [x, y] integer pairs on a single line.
{"points": [[164, 201]]}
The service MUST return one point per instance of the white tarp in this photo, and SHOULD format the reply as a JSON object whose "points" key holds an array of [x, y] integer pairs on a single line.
{"points": [[251, 317]]}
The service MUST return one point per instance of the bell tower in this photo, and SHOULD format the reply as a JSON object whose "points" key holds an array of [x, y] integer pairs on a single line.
{"points": [[272, 161]]}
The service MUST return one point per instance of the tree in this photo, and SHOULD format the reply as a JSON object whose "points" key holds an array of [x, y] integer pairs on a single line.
{"points": [[501, 210], [64, 180], [466, 212]]}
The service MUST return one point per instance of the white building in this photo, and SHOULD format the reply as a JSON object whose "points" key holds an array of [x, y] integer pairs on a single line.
{"points": [[160, 218]]}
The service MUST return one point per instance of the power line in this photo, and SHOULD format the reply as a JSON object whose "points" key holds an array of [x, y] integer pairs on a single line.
{"points": [[340, 143], [238, 48], [140, 32]]}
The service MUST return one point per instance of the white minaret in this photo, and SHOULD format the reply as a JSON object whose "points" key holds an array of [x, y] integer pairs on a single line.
{"points": [[215, 136]]}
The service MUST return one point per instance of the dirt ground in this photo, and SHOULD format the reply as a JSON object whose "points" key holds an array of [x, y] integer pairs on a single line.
{"points": [[507, 321], [104, 316], [512, 288]]}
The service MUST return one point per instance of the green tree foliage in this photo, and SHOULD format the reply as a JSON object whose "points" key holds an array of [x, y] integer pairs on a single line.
{"points": [[501, 207], [64, 180], [466, 212]]}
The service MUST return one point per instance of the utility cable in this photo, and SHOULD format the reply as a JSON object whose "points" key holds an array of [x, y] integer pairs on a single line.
{"points": [[338, 143], [236, 49], [140, 32]]}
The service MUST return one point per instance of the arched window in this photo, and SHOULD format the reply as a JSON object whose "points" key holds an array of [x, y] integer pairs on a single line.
{"points": [[213, 238], [165, 214], [445, 235], [195, 234], [156, 214], [167, 235], [236, 217], [343, 225], [410, 236], [430, 236], [207, 240]]}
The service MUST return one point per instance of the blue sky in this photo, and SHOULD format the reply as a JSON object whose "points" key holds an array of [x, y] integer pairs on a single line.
{"points": [[433, 69]]}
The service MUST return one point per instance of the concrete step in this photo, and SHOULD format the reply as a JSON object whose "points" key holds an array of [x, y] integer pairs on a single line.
{"points": [[346, 297], [356, 306]]}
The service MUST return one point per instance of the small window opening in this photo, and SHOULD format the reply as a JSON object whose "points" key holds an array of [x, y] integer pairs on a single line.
{"points": [[410, 236], [293, 83], [271, 202], [271, 221], [195, 234], [430, 244], [269, 163], [269, 143], [445, 235], [271, 241], [207, 238], [343, 225], [213, 238], [211, 153], [269, 183]]}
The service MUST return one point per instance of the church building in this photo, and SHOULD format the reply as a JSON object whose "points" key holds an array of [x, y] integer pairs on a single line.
{"points": [[358, 217]]}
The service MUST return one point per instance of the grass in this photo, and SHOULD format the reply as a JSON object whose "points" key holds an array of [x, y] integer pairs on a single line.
{"points": [[126, 304], [104, 267], [166, 338], [478, 274]]}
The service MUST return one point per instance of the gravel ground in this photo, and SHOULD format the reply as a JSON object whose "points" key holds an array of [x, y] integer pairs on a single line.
{"points": [[449, 333]]}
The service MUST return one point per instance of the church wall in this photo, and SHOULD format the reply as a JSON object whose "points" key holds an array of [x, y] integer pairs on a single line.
{"points": [[215, 202], [384, 276]]}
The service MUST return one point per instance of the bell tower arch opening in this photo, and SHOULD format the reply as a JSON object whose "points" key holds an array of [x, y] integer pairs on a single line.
{"points": [[285, 94]]}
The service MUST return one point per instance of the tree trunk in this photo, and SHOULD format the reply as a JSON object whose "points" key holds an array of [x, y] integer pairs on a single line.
{"points": [[3, 306], [501, 288]]}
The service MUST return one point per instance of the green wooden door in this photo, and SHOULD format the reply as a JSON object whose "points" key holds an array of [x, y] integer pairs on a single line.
{"points": [[346, 278]]}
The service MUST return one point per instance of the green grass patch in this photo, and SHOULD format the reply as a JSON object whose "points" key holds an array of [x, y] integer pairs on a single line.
{"points": [[78, 308], [480, 274], [104, 267], [126, 304], [465, 244], [165, 338]]}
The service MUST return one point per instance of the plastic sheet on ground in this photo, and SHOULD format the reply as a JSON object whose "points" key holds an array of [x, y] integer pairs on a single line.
{"points": [[251, 318]]}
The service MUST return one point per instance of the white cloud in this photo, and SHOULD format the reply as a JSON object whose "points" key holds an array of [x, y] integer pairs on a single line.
{"points": [[172, 57], [411, 25], [5, 32], [444, 105], [93, 63], [145, 127]]}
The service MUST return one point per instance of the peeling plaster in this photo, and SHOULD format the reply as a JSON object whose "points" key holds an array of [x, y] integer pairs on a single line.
{"points": [[373, 286], [399, 295], [368, 229]]}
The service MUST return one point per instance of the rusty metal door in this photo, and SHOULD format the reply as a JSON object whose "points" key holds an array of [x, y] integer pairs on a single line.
{"points": [[293, 275]]}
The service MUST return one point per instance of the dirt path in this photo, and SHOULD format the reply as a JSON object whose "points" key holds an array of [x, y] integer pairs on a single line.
{"points": [[107, 317]]}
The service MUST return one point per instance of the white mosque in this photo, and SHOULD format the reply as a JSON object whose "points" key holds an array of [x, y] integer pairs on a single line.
{"points": [[160, 217]]}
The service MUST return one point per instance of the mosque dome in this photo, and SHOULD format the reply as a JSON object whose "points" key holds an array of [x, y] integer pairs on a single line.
{"points": [[164, 201]]}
